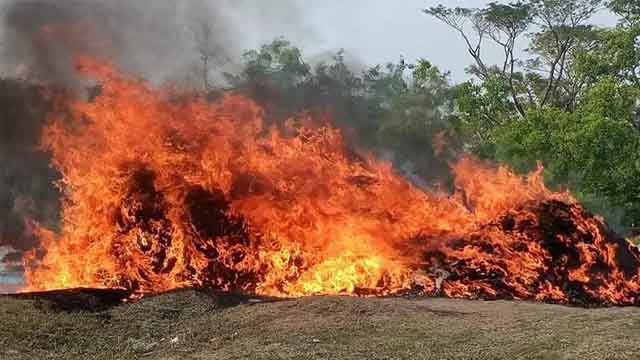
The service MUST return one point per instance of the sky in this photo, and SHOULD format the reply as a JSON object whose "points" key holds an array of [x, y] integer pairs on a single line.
{"points": [[379, 31]]}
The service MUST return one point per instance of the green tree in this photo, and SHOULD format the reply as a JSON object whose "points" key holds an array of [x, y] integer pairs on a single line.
{"points": [[572, 104], [628, 10], [558, 28], [272, 75], [594, 151], [418, 116], [481, 109]]}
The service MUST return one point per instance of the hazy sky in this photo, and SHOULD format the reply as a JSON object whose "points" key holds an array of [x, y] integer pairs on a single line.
{"points": [[377, 31]]}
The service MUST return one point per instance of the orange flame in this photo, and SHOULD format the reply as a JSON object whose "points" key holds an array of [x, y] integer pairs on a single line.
{"points": [[163, 192]]}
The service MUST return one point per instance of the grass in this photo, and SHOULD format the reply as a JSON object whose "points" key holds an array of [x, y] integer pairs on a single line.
{"points": [[195, 325]]}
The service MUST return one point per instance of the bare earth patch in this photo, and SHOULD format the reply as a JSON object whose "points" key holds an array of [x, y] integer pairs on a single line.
{"points": [[197, 325]]}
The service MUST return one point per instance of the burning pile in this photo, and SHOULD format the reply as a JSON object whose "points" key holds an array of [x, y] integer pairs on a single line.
{"points": [[165, 191]]}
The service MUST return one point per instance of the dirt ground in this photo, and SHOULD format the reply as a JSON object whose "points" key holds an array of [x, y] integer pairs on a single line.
{"points": [[197, 325]]}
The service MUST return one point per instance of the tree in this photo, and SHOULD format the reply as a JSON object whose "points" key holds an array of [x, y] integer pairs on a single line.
{"points": [[273, 75], [503, 24], [628, 10], [560, 28], [418, 119], [481, 109], [573, 104], [458, 18], [210, 52], [593, 151]]}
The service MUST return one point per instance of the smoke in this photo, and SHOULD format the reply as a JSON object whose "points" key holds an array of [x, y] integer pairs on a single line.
{"points": [[144, 37], [155, 39], [26, 181]]}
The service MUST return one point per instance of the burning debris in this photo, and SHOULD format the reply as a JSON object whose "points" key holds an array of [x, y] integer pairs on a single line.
{"points": [[545, 250], [163, 193]]}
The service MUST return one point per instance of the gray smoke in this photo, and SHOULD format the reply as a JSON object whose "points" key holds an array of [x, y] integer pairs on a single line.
{"points": [[156, 39], [144, 37], [26, 181]]}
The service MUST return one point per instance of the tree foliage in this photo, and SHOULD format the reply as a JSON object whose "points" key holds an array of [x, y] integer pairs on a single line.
{"points": [[628, 10], [557, 29], [573, 103]]}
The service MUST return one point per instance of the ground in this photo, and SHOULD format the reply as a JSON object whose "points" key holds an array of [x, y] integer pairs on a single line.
{"points": [[198, 325]]}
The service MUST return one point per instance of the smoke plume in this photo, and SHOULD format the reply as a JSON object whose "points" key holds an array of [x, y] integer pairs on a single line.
{"points": [[156, 39]]}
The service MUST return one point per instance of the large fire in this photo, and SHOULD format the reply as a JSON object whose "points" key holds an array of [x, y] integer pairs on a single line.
{"points": [[164, 191]]}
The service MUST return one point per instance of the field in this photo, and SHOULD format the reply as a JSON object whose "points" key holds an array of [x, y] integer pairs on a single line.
{"points": [[198, 325]]}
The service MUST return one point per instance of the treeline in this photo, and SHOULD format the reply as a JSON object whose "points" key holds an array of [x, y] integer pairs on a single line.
{"points": [[571, 101]]}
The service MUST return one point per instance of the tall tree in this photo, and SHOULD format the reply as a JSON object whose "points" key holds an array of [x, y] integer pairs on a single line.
{"points": [[557, 27], [628, 10], [573, 102]]}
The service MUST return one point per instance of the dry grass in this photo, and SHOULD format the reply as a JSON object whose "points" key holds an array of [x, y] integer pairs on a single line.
{"points": [[194, 325]]}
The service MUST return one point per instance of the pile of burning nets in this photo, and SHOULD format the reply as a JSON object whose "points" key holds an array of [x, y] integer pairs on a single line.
{"points": [[165, 192], [543, 250]]}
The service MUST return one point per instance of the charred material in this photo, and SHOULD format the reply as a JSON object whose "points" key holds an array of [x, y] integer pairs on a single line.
{"points": [[547, 251], [86, 299]]}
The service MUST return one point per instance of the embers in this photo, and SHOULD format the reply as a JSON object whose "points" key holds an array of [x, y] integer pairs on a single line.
{"points": [[142, 217], [536, 251]]}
